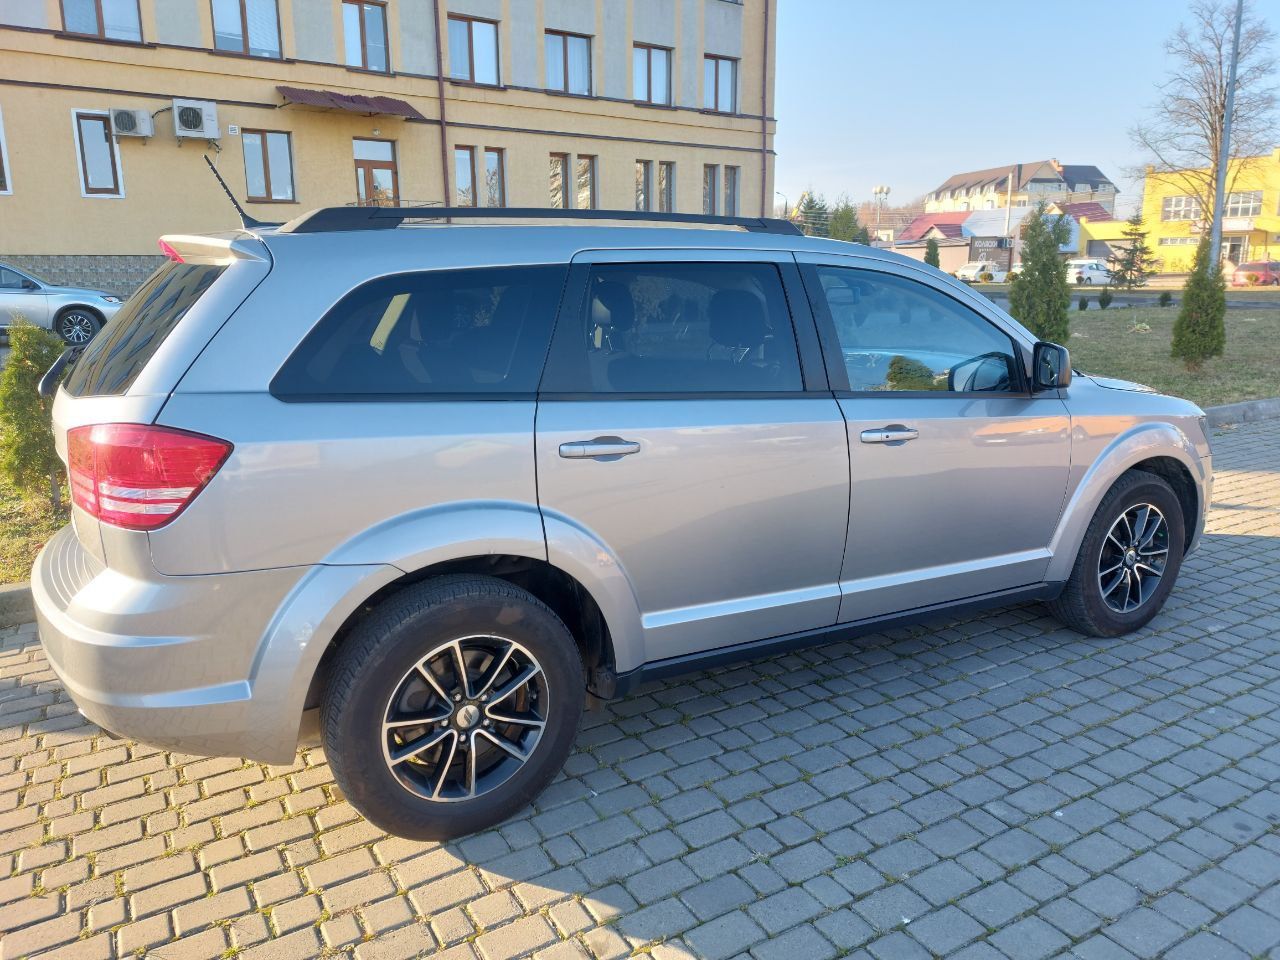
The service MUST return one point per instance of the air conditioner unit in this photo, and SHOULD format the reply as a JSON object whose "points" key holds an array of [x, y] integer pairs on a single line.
{"points": [[195, 118], [132, 123]]}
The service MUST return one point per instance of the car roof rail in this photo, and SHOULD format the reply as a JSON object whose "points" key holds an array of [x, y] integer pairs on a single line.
{"points": [[330, 219]]}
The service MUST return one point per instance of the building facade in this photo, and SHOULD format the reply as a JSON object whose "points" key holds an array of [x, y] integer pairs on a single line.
{"points": [[1172, 211], [109, 107], [1024, 185]]}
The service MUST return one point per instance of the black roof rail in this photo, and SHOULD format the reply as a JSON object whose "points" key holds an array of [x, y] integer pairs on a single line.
{"points": [[328, 219]]}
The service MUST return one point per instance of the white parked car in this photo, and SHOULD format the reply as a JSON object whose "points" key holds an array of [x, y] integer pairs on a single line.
{"points": [[1088, 272], [974, 271]]}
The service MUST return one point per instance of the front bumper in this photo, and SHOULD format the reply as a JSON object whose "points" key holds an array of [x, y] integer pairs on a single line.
{"points": [[111, 640]]}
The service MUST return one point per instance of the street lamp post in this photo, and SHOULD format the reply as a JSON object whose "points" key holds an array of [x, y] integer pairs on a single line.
{"points": [[786, 207], [881, 193], [1224, 148]]}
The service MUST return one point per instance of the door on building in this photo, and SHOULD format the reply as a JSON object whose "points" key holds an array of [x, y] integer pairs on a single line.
{"points": [[377, 179], [1235, 250]]}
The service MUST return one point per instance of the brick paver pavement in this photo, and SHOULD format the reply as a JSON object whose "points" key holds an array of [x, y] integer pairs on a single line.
{"points": [[994, 787]]}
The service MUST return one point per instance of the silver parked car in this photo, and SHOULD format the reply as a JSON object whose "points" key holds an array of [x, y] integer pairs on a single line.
{"points": [[73, 313], [419, 491]]}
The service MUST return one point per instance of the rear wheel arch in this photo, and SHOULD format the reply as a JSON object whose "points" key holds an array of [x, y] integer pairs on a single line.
{"points": [[568, 599]]}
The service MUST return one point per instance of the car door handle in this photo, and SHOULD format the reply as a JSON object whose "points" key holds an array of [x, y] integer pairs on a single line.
{"points": [[894, 433], [601, 448]]}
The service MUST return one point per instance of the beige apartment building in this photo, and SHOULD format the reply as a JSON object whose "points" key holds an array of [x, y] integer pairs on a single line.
{"points": [[109, 107]]}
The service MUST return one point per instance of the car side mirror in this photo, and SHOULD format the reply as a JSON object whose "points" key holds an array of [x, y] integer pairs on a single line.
{"points": [[29, 284], [1050, 367]]}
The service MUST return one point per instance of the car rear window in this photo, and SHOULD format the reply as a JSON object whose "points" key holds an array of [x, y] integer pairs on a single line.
{"points": [[114, 358], [438, 332]]}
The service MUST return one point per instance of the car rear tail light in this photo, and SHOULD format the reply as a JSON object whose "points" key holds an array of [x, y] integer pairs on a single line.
{"points": [[139, 476]]}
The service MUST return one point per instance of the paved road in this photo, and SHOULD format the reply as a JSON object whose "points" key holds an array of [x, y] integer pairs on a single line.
{"points": [[994, 787]]}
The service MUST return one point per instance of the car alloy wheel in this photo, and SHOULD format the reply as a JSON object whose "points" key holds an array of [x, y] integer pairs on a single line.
{"points": [[465, 718], [1133, 558], [77, 327]]}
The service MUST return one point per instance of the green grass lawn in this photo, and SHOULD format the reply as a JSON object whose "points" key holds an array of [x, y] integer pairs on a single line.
{"points": [[1112, 343], [26, 524]]}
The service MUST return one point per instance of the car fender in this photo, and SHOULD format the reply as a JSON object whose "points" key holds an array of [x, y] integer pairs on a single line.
{"points": [[1141, 442], [581, 554]]}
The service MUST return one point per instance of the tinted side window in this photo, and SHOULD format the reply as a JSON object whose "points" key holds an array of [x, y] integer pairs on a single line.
{"points": [[436, 332], [899, 334], [114, 358], [679, 328]]}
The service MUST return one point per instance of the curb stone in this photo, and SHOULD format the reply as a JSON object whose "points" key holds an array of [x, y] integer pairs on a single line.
{"points": [[16, 605]]}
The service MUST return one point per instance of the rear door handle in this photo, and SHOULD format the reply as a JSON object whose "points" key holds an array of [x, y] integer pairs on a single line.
{"points": [[894, 433], [601, 448]]}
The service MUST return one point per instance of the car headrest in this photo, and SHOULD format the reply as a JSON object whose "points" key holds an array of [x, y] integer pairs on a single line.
{"points": [[612, 306], [738, 319]]}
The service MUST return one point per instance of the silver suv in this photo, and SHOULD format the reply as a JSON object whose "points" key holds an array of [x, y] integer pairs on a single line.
{"points": [[421, 491]]}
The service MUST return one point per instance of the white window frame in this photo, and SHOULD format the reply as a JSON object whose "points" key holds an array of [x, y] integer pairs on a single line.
{"points": [[115, 147], [1235, 199], [7, 189]]}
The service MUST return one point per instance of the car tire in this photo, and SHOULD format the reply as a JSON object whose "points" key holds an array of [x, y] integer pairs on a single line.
{"points": [[378, 679], [1086, 604], [77, 326]]}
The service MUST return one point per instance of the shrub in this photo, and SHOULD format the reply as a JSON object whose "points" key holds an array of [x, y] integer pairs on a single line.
{"points": [[986, 277], [1166, 298], [1200, 330], [1040, 297], [1253, 279], [1083, 304], [28, 458], [1105, 298], [931, 254]]}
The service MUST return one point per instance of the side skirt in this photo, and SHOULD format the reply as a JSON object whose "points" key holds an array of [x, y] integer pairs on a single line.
{"points": [[756, 649]]}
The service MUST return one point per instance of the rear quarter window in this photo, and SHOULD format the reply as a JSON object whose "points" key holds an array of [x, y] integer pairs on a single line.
{"points": [[114, 358], [440, 332]]}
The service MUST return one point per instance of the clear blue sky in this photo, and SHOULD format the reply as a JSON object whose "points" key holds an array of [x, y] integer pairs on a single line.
{"points": [[908, 92]]}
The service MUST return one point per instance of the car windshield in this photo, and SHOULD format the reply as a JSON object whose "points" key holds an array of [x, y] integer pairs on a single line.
{"points": [[1252, 266]]}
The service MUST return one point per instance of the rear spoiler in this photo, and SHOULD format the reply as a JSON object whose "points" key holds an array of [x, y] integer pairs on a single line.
{"points": [[53, 376], [214, 249]]}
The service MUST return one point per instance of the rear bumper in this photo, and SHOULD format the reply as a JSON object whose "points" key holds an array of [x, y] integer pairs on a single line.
{"points": [[109, 638]]}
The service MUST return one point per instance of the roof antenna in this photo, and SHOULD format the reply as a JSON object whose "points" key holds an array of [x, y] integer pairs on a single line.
{"points": [[246, 221]]}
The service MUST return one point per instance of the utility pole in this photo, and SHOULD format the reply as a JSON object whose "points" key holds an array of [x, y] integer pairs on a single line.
{"points": [[1224, 148]]}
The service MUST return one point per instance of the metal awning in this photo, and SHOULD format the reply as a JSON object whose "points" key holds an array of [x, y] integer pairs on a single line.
{"points": [[353, 103]]}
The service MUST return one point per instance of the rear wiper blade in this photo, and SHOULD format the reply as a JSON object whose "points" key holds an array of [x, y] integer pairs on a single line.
{"points": [[49, 382]]}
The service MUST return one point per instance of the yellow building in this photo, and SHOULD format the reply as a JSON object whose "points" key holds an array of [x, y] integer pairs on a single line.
{"points": [[1172, 210], [108, 107]]}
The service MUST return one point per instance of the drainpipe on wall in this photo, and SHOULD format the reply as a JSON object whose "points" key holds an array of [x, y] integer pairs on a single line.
{"points": [[764, 118], [444, 123]]}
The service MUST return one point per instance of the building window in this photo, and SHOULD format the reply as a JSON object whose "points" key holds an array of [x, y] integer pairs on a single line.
{"points": [[586, 183], [377, 179], [250, 27], [710, 189], [568, 62], [644, 184], [268, 165], [1248, 204], [720, 84], [1178, 241], [464, 176], [6, 183], [560, 181], [99, 159], [666, 186], [1180, 208], [473, 50], [495, 177], [651, 74], [731, 177], [364, 28], [112, 19]]}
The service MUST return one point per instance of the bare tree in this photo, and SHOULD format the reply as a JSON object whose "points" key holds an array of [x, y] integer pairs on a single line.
{"points": [[1183, 135]]}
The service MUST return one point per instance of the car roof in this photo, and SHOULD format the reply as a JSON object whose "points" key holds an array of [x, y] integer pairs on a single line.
{"points": [[531, 244]]}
